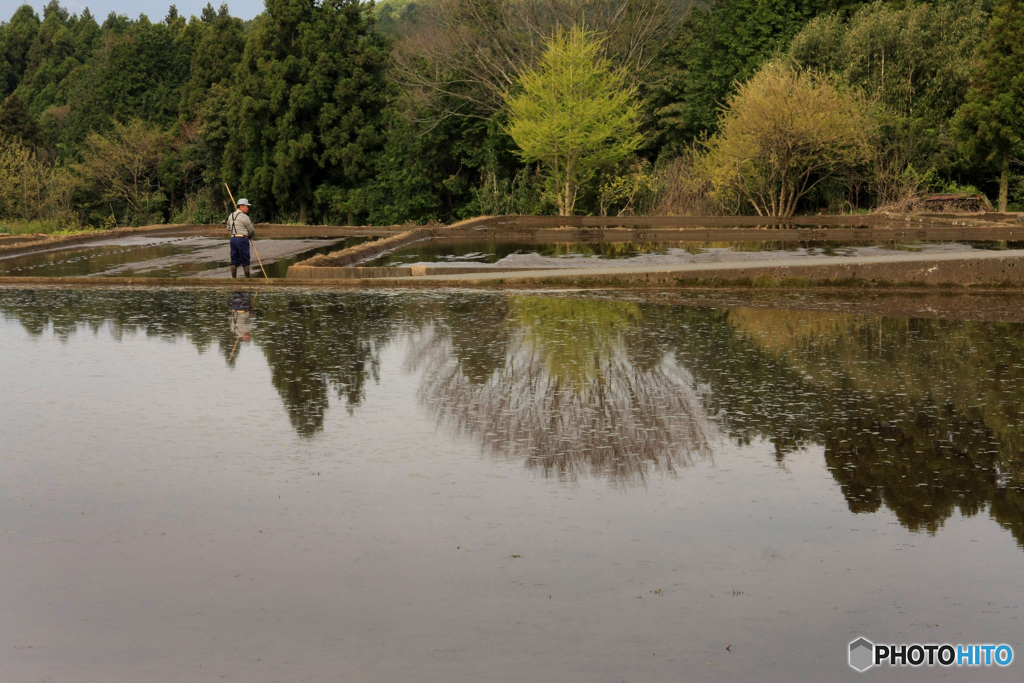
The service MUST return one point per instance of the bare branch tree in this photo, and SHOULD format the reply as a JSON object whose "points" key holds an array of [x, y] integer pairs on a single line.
{"points": [[464, 54]]}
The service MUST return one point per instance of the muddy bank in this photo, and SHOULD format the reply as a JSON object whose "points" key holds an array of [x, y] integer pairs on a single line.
{"points": [[1006, 276], [975, 220], [342, 267], [589, 229], [917, 270], [22, 244]]}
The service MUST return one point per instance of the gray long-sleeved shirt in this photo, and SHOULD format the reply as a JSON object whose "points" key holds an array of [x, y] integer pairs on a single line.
{"points": [[239, 225]]}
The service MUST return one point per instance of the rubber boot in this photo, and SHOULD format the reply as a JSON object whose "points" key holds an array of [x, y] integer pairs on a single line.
{"points": [[234, 271], [246, 269]]}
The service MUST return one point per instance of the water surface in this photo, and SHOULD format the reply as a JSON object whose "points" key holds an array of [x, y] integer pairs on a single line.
{"points": [[463, 486], [165, 257], [561, 254]]}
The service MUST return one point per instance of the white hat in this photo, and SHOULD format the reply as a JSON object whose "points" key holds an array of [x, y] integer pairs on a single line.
{"points": [[244, 202]]}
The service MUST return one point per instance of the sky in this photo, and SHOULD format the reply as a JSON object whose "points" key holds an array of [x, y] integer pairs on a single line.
{"points": [[156, 10]]}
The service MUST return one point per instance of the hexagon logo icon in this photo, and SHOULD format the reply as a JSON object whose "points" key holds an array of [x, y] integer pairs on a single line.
{"points": [[862, 654]]}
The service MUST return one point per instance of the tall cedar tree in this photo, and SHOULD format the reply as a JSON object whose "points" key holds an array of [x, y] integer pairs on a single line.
{"points": [[60, 48], [992, 119], [138, 74], [304, 121], [219, 48], [16, 37]]}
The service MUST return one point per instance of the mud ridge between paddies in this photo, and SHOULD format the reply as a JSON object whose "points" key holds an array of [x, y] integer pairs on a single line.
{"points": [[971, 269]]}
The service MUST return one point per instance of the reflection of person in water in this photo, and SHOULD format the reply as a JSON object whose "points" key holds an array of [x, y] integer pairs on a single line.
{"points": [[241, 316]]}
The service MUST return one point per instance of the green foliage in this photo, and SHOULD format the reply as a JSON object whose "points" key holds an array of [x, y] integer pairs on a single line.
{"points": [[627, 188], [16, 122], [716, 48], [139, 75], [217, 53], [575, 115], [199, 207], [393, 15], [16, 38], [915, 61], [304, 115], [422, 173], [123, 168], [990, 120], [35, 188], [502, 195], [504, 185], [63, 44], [784, 133], [313, 113]]}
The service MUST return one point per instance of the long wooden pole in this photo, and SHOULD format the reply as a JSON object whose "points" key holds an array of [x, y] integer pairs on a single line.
{"points": [[258, 259]]}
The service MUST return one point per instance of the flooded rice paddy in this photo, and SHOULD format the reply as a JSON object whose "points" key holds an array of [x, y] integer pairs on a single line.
{"points": [[167, 257], [515, 254], [437, 486]]}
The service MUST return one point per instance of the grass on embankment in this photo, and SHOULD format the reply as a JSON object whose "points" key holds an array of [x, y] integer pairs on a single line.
{"points": [[41, 227]]}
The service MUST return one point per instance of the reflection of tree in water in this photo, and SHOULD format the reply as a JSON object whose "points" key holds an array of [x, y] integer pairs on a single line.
{"points": [[165, 314], [551, 381], [923, 416], [314, 345]]}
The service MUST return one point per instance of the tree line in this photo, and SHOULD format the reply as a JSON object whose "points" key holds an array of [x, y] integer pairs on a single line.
{"points": [[339, 111]]}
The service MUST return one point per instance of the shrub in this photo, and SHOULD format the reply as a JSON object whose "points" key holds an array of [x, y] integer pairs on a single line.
{"points": [[784, 133]]}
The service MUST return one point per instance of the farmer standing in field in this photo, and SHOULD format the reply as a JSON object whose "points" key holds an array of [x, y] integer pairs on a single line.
{"points": [[242, 232]]}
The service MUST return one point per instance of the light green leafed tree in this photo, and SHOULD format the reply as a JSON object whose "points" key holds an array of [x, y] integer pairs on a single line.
{"points": [[575, 114], [35, 188], [783, 134]]}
